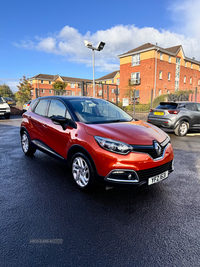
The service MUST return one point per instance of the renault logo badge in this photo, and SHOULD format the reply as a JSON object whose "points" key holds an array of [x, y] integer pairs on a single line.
{"points": [[157, 148]]}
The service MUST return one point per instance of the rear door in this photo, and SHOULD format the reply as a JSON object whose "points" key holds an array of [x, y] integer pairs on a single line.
{"points": [[37, 119]]}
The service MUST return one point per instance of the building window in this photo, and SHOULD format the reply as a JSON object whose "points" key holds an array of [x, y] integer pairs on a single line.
{"points": [[190, 80], [169, 76], [49, 82], [135, 78], [169, 59], [113, 81], [118, 81], [42, 91], [198, 82], [113, 90], [31, 82], [168, 91], [42, 81], [191, 66], [160, 75], [100, 92], [184, 79], [50, 91], [186, 64], [161, 56], [73, 92], [159, 92], [178, 61], [72, 85], [136, 60], [79, 93]]}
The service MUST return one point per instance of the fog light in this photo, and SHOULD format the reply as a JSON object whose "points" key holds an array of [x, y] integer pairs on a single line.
{"points": [[123, 176]]}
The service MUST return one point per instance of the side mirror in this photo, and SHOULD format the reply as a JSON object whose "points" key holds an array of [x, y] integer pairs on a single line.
{"points": [[64, 122]]}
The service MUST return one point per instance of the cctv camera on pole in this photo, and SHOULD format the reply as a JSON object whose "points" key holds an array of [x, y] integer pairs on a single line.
{"points": [[99, 47]]}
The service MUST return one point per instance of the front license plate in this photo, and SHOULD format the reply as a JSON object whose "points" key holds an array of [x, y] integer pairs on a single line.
{"points": [[157, 178], [158, 113]]}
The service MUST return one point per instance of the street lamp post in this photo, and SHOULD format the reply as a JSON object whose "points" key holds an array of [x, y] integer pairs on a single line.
{"points": [[99, 47]]}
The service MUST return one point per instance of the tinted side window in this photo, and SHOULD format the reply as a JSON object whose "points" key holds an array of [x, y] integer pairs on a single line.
{"points": [[56, 108], [191, 106], [42, 107], [198, 106]]}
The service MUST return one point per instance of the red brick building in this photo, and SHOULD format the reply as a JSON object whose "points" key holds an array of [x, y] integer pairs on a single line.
{"points": [[164, 70], [144, 68]]}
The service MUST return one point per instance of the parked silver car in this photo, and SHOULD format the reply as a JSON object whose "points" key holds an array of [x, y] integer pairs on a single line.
{"points": [[178, 116], [26, 106]]}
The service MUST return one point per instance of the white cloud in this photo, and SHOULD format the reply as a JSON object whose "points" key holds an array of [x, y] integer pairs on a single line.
{"points": [[119, 39], [11, 82]]}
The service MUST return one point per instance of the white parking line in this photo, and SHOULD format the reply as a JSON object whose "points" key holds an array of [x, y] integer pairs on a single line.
{"points": [[193, 134]]}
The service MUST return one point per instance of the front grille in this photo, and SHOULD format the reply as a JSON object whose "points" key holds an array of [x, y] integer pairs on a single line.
{"points": [[150, 150], [145, 174]]}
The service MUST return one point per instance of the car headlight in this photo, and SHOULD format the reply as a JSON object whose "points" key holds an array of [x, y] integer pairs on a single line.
{"points": [[113, 145]]}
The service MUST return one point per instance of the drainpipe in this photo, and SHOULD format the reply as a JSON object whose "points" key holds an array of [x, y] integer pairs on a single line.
{"points": [[154, 94]]}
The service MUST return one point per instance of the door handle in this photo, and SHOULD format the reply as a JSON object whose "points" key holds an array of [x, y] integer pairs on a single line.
{"points": [[44, 125]]}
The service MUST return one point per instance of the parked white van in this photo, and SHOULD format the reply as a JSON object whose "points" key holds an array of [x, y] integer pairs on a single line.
{"points": [[4, 108]]}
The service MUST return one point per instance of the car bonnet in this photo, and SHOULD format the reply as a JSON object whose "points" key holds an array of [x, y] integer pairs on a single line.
{"points": [[135, 132]]}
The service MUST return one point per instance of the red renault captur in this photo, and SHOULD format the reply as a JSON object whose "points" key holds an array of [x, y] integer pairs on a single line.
{"points": [[98, 140]]}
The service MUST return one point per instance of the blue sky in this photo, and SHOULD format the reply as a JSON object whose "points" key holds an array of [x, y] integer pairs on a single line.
{"points": [[47, 36]]}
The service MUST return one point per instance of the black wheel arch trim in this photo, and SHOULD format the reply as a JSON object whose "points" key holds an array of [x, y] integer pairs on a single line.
{"points": [[78, 148], [187, 119]]}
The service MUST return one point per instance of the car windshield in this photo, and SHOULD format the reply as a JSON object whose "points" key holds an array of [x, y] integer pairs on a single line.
{"points": [[2, 100], [166, 105], [98, 111]]}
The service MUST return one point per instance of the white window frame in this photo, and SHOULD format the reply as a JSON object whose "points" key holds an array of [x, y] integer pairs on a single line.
{"points": [[185, 64], [136, 77], [169, 59], [199, 82], [42, 81], [135, 60], [73, 85], [191, 66], [160, 75], [190, 80], [169, 76], [184, 79], [159, 92], [161, 56]]}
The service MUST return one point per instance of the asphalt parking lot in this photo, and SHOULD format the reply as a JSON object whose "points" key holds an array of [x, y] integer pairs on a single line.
{"points": [[46, 221]]}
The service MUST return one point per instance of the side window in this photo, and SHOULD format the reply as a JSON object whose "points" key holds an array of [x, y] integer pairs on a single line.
{"points": [[42, 107], [198, 106], [191, 106], [57, 108]]}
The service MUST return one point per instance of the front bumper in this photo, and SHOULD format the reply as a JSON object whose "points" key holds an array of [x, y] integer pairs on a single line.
{"points": [[136, 178], [132, 169]]}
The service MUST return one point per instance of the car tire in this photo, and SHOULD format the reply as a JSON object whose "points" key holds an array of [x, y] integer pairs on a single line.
{"points": [[82, 172], [26, 144], [181, 129], [7, 116]]}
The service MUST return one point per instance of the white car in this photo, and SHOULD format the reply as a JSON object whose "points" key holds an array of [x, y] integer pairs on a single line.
{"points": [[4, 108]]}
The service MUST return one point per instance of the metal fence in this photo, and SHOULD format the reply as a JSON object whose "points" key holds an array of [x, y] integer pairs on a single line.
{"points": [[111, 92]]}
